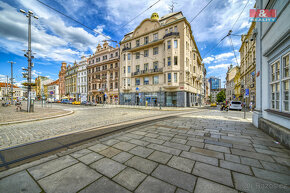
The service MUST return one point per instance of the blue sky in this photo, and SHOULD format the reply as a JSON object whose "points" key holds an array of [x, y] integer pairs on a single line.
{"points": [[56, 38]]}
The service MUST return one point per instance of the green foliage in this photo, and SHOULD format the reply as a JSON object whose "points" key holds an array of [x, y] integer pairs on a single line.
{"points": [[221, 96]]}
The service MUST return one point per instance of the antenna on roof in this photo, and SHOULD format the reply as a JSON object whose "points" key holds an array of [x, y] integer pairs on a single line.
{"points": [[171, 7]]}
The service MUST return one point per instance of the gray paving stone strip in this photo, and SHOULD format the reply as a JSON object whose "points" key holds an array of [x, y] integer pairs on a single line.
{"points": [[164, 149], [71, 179], [235, 167], [181, 163], [254, 155], [124, 146], [90, 158], [141, 164], [201, 158], [141, 151], [207, 152], [108, 167], [207, 186], [154, 185], [273, 176], [160, 157]]}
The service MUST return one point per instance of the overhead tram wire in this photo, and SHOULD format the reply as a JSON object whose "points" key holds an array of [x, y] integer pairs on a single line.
{"points": [[230, 32], [234, 50], [200, 11], [95, 31], [140, 14]]}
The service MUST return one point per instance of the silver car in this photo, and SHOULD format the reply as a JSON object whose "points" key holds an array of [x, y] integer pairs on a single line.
{"points": [[235, 105]]}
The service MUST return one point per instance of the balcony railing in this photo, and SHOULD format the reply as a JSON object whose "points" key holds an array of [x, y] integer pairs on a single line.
{"points": [[171, 34], [149, 71]]}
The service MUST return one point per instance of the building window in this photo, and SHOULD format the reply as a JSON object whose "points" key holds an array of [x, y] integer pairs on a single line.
{"points": [[155, 51], [116, 54], [116, 65], [129, 81], [146, 80], [155, 65], [111, 85], [105, 57], [111, 66], [275, 85], [137, 43], [168, 44], [137, 55], [285, 83], [169, 61], [166, 31], [124, 69], [124, 56], [112, 55], [156, 80], [124, 82], [137, 68], [175, 77], [129, 56], [175, 43], [155, 36], [137, 81], [146, 40], [194, 56], [169, 77], [175, 60], [129, 69], [146, 67], [175, 29], [146, 53], [171, 29], [116, 84]]}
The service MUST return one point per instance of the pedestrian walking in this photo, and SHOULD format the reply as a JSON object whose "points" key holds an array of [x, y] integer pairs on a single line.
{"points": [[18, 105]]}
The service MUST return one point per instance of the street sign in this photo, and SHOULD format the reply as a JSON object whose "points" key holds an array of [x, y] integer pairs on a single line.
{"points": [[137, 88], [246, 92], [51, 92]]}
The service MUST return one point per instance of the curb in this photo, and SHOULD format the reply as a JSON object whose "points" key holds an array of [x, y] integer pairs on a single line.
{"points": [[40, 119]]}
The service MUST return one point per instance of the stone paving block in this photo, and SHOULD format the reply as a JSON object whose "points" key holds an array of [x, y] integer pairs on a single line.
{"points": [[201, 158], [141, 151], [122, 157], [160, 157], [19, 182], [152, 135], [206, 186], [124, 138], [180, 179], [80, 153], [281, 160], [232, 158], [252, 155], [206, 152], [90, 158], [153, 140], [177, 146], [138, 142], [273, 153], [250, 162], [177, 140], [139, 132], [71, 179], [129, 178], [124, 146], [104, 185], [235, 167], [273, 176], [216, 174], [244, 147], [181, 191], [260, 146], [110, 152], [252, 184], [195, 144], [181, 163], [108, 167], [52, 166], [141, 164], [166, 138], [195, 139], [111, 142], [217, 148], [98, 147], [164, 149], [275, 167], [131, 135], [154, 185]]}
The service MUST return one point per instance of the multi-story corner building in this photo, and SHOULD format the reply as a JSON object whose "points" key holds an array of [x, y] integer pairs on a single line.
{"points": [[161, 64], [272, 111], [53, 91], [71, 81], [103, 75], [213, 94], [207, 91], [5, 91], [230, 83], [237, 89], [82, 84], [248, 64], [215, 83], [41, 89], [61, 77]]}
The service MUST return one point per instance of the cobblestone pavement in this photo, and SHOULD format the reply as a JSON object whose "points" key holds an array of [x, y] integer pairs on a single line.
{"points": [[84, 117], [200, 153], [8, 114]]}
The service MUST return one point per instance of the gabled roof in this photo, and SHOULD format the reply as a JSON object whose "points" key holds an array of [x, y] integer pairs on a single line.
{"points": [[3, 84]]}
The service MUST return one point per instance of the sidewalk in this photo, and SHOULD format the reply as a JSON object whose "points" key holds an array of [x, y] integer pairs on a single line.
{"points": [[192, 153], [9, 114]]}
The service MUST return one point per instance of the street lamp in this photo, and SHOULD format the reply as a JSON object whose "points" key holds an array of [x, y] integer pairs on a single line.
{"points": [[29, 56]]}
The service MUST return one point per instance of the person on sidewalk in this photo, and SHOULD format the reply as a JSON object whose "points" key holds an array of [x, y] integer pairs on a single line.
{"points": [[18, 105]]}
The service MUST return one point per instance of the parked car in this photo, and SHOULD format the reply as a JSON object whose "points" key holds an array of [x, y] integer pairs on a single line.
{"points": [[64, 101], [83, 102], [76, 103], [235, 105], [213, 104]]}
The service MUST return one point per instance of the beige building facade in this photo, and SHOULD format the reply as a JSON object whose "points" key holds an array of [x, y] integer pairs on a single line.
{"points": [[103, 75], [230, 83], [248, 65], [161, 64], [71, 81]]}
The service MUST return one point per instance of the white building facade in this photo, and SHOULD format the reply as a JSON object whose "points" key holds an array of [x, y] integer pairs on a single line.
{"points": [[82, 84], [272, 112], [53, 91]]}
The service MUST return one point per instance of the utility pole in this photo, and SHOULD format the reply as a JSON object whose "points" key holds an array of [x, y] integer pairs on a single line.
{"points": [[7, 89], [11, 80], [28, 54]]}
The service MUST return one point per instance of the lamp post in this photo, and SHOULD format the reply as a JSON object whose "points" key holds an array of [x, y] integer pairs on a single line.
{"points": [[29, 56]]}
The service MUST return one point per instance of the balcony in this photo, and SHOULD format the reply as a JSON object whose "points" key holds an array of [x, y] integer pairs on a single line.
{"points": [[147, 72], [171, 34], [147, 45]]}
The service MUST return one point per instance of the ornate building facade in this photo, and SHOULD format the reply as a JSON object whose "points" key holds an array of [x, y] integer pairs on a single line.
{"points": [[161, 64], [82, 85], [61, 77], [103, 75], [71, 81]]}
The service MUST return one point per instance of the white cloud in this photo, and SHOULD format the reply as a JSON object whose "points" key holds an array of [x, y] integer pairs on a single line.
{"points": [[219, 66], [224, 56], [3, 78], [35, 73], [208, 60]]}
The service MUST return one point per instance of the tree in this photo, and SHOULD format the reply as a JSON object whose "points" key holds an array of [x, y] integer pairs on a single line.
{"points": [[221, 96]]}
